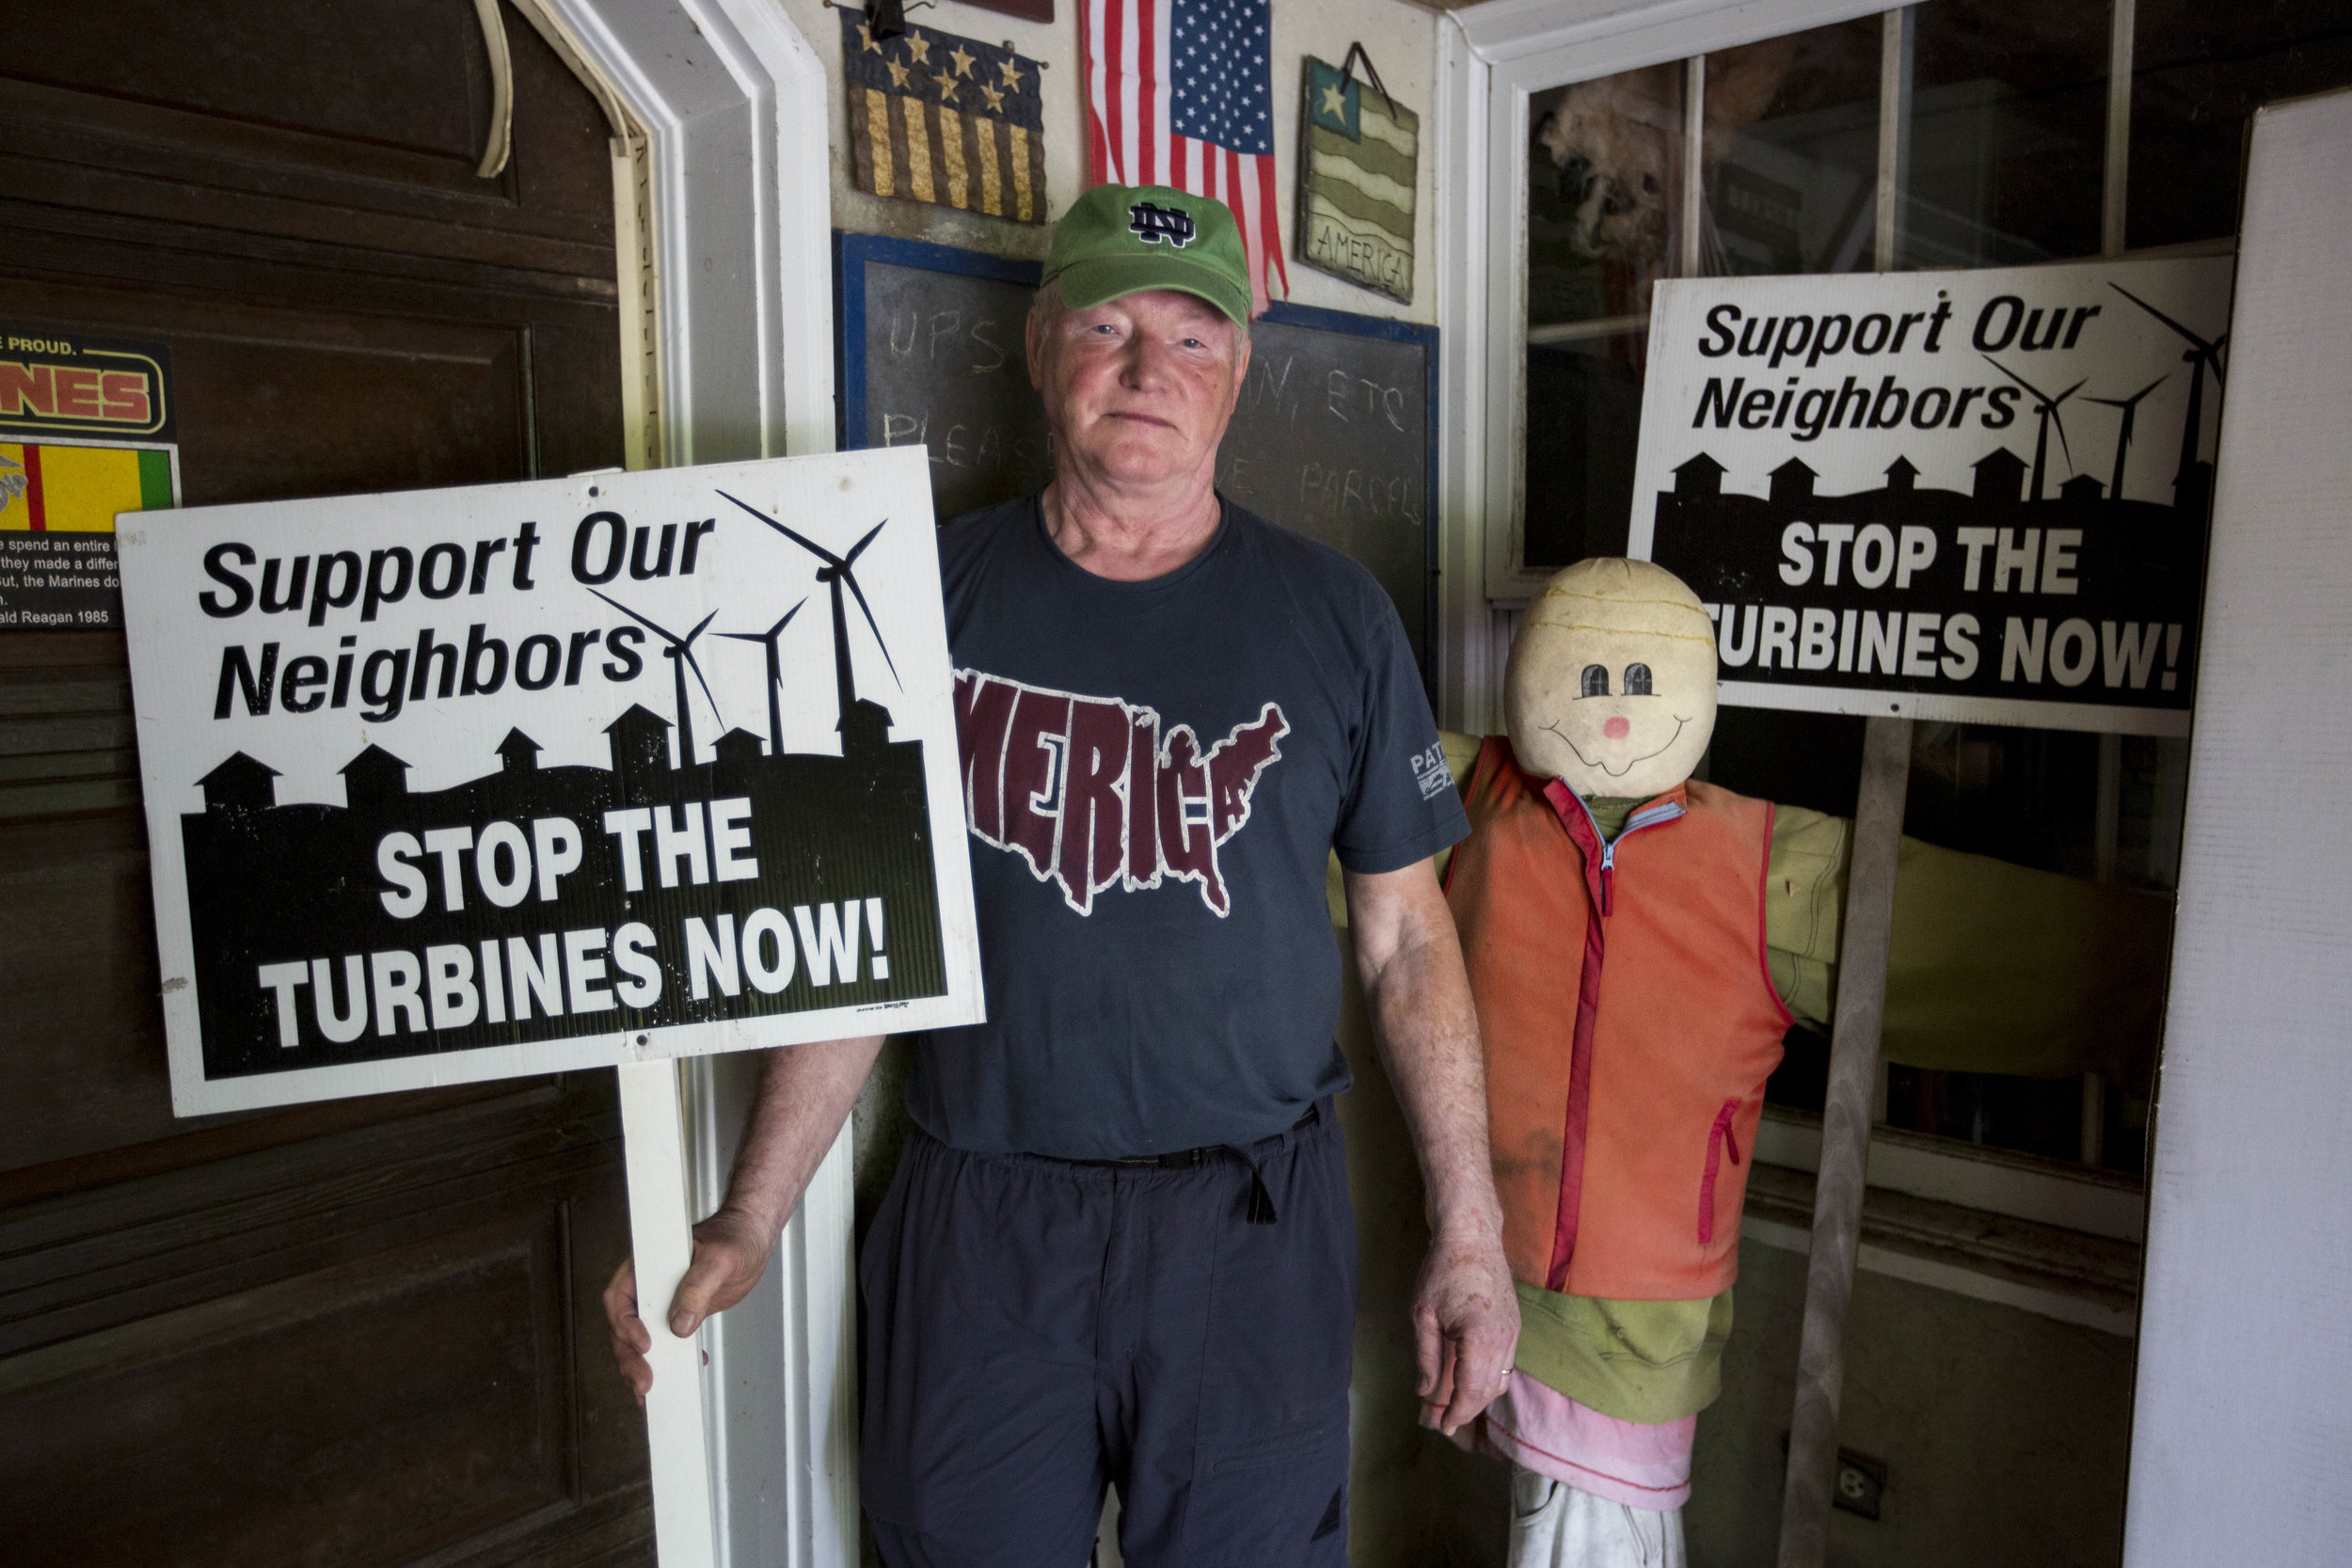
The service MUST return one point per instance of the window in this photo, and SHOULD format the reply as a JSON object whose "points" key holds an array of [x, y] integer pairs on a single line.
{"points": [[1778, 174], [2198, 73], [2016, 134]]}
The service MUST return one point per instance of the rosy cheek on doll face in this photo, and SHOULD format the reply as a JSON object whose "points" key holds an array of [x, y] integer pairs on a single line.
{"points": [[1618, 729]]}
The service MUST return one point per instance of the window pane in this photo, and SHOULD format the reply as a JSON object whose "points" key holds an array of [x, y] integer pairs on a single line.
{"points": [[2026, 797], [1792, 135], [2200, 72], [1790, 140], [2008, 131], [1603, 223]]}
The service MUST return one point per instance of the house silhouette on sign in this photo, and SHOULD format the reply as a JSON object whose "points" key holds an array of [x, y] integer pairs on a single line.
{"points": [[372, 776], [2000, 477], [640, 738], [519, 753], [1701, 476], [240, 783], [2131, 560], [737, 747], [1792, 483], [271, 882]]}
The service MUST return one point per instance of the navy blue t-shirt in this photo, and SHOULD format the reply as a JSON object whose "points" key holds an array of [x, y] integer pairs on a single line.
{"points": [[1156, 774]]}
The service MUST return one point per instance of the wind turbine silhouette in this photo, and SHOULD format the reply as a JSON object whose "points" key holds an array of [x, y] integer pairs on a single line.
{"points": [[775, 674], [680, 653], [2047, 407], [2123, 436], [2201, 355], [837, 570]]}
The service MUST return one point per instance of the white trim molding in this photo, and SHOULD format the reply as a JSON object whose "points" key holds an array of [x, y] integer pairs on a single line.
{"points": [[2053, 1273], [1467, 678], [731, 98], [1993, 1180]]}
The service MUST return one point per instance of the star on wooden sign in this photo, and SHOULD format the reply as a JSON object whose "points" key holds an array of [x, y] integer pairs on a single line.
{"points": [[1358, 169], [914, 134]]}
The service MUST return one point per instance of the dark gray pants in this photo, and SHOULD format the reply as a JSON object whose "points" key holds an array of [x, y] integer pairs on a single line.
{"points": [[1036, 1328]]}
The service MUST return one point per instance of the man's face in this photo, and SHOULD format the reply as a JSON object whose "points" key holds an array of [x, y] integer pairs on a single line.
{"points": [[1137, 390]]}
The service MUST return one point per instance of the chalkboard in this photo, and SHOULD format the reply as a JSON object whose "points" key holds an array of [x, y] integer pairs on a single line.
{"points": [[1336, 436]]}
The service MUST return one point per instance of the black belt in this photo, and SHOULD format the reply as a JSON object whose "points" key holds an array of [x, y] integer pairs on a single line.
{"points": [[1260, 1201]]}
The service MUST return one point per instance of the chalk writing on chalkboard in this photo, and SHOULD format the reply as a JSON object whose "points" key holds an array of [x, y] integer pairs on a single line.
{"points": [[1332, 439], [1334, 436]]}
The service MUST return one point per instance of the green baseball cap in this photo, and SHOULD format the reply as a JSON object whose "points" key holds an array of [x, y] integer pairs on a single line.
{"points": [[1120, 239]]}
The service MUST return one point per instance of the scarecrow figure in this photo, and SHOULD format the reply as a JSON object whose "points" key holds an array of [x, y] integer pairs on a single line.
{"points": [[1638, 943]]}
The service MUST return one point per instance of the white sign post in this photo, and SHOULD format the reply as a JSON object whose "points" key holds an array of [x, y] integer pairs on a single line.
{"points": [[461, 784]]}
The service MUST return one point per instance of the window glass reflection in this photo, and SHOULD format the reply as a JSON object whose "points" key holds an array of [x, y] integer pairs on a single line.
{"points": [[2200, 72], [1787, 160], [1603, 220], [2008, 131], [1792, 152]]}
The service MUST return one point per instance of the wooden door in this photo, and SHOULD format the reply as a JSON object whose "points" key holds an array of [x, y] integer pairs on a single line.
{"points": [[363, 1332]]}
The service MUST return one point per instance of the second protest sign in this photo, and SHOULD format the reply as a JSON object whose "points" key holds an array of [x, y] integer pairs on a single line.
{"points": [[1973, 496], [472, 783]]}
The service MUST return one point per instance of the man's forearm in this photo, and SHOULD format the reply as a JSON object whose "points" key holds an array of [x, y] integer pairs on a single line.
{"points": [[1427, 1030], [804, 1096]]}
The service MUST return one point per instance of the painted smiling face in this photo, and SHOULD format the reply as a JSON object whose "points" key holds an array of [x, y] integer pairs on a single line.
{"points": [[1611, 682]]}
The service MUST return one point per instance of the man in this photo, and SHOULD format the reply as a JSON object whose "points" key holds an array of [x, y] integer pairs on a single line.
{"points": [[1120, 1246]]}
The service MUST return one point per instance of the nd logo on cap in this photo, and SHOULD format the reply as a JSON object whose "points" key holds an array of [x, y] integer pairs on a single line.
{"points": [[1153, 224], [1126, 239]]}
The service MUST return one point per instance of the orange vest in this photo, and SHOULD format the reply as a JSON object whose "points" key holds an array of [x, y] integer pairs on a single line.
{"points": [[1629, 1024]]}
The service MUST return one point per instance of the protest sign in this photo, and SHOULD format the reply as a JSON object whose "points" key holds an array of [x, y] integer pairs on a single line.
{"points": [[470, 784], [1972, 496]]}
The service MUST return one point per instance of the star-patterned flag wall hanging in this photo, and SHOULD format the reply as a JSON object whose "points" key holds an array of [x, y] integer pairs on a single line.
{"points": [[946, 120], [1179, 92], [1358, 170]]}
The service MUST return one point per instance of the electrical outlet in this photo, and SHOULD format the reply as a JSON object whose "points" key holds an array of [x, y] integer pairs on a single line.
{"points": [[1861, 1482]]}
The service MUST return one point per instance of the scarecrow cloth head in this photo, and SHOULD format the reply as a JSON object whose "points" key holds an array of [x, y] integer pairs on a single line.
{"points": [[1612, 681]]}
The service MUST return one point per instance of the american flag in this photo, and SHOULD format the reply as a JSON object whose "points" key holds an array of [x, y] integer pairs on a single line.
{"points": [[1179, 92]]}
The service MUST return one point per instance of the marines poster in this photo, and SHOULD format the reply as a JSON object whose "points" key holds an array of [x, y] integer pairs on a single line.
{"points": [[1976, 496], [468, 784], [87, 431]]}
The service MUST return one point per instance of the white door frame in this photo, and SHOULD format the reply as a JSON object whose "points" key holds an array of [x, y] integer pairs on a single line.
{"points": [[734, 99]]}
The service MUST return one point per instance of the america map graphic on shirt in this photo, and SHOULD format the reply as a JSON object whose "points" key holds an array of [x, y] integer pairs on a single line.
{"points": [[1094, 797]]}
